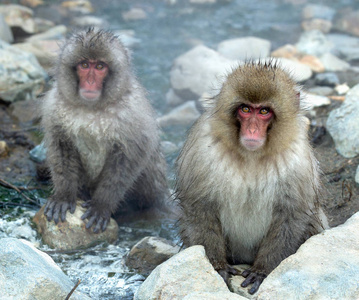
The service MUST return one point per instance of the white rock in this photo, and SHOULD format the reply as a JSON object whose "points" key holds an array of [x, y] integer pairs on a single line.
{"points": [[357, 175], [55, 33], [245, 48], [197, 71], [298, 71], [213, 296], [342, 89], [313, 100], [333, 64], [19, 16], [324, 267], [314, 42], [5, 31], [183, 115], [185, 273], [343, 124], [27, 273]]}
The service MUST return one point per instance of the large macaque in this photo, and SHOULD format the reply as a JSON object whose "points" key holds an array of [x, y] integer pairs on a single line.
{"points": [[101, 135], [247, 180]]}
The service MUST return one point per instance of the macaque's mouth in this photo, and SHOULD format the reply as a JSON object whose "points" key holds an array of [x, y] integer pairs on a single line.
{"points": [[90, 95]]}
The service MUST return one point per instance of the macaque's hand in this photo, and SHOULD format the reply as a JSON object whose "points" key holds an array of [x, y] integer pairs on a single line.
{"points": [[55, 209], [98, 219], [252, 277], [226, 272]]}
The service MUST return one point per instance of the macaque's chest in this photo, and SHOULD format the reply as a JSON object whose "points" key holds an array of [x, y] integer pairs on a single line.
{"points": [[93, 153], [246, 211]]}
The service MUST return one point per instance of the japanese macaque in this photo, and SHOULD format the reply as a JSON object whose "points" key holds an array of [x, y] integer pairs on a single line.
{"points": [[101, 135], [247, 180]]}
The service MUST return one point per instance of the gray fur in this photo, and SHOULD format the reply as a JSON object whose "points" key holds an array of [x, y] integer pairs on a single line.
{"points": [[105, 150], [243, 206]]}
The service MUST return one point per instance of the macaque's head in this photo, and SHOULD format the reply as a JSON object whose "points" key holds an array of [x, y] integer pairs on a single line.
{"points": [[93, 68], [257, 109]]}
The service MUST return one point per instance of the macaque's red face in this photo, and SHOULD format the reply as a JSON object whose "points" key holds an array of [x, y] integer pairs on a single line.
{"points": [[91, 74], [254, 121]]}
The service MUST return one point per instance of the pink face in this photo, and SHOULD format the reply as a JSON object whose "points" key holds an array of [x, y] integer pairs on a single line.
{"points": [[91, 74], [254, 121]]}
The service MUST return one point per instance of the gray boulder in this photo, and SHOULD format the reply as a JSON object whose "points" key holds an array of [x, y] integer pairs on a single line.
{"points": [[21, 76], [343, 124], [27, 273]]}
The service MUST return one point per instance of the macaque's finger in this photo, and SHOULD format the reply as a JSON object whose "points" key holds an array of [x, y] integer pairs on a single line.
{"points": [[255, 286], [104, 225], [72, 207], [91, 221], [86, 214]]}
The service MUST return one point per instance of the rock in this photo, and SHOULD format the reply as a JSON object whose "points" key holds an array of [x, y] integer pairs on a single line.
{"points": [[21, 76], [149, 252], [183, 115], [342, 89], [45, 51], [172, 99], [346, 47], [43, 25], [317, 24], [324, 267], [18, 16], [314, 42], [72, 234], [287, 51], [343, 124], [349, 23], [55, 33], [5, 31], [186, 273], [213, 296], [314, 11], [38, 153], [357, 175], [313, 101], [321, 90], [327, 79], [4, 149], [298, 71], [81, 6], [198, 71], [25, 111], [27, 273], [32, 3], [334, 64], [134, 14], [236, 281], [314, 63], [88, 21], [245, 48]]}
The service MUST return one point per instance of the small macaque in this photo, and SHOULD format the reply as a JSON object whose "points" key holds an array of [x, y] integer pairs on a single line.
{"points": [[101, 135], [247, 180]]}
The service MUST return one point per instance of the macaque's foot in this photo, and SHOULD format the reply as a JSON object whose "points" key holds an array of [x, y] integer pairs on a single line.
{"points": [[227, 272], [98, 219], [55, 209], [252, 277]]}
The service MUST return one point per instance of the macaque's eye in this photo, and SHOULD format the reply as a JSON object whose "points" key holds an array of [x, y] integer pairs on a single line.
{"points": [[245, 109], [99, 66], [84, 65], [264, 111]]}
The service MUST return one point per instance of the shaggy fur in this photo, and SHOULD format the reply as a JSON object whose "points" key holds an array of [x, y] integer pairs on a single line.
{"points": [[254, 207], [103, 152]]}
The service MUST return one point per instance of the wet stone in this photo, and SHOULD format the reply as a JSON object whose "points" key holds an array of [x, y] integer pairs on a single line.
{"points": [[72, 234]]}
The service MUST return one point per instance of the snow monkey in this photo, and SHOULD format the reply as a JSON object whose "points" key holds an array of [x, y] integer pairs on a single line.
{"points": [[101, 135], [247, 179]]}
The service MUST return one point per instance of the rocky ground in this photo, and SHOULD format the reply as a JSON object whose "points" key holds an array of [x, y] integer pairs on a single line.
{"points": [[324, 61]]}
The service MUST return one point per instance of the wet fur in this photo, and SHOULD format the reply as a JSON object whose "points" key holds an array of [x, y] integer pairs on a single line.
{"points": [[108, 150]]}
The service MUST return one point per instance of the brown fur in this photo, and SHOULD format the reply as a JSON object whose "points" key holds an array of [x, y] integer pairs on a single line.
{"points": [[254, 207], [104, 152]]}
